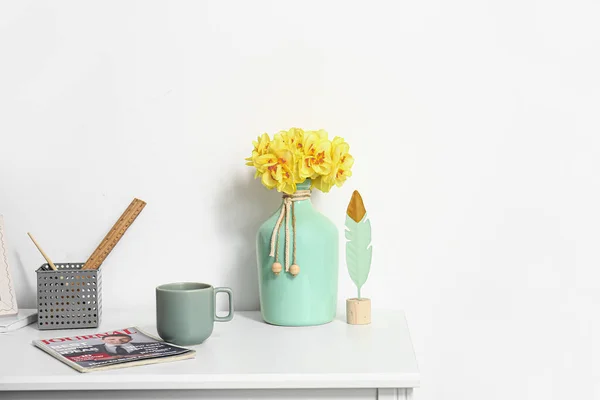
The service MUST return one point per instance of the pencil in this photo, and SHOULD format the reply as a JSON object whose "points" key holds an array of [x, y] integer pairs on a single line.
{"points": [[50, 263]]}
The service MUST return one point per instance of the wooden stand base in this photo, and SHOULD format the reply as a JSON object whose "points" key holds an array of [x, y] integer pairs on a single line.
{"points": [[358, 311]]}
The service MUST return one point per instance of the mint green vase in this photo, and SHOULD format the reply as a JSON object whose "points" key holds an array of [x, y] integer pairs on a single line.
{"points": [[309, 298]]}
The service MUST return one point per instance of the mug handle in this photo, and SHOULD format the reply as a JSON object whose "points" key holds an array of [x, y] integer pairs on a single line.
{"points": [[229, 292]]}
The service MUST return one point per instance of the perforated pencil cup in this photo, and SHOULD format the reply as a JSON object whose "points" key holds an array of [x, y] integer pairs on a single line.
{"points": [[69, 297]]}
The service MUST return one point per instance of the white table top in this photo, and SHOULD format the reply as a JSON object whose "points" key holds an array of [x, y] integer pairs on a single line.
{"points": [[245, 353]]}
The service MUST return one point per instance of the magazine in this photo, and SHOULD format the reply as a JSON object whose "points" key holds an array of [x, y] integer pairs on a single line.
{"points": [[115, 349]]}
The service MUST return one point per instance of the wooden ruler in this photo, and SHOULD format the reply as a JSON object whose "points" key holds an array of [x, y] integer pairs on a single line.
{"points": [[114, 235]]}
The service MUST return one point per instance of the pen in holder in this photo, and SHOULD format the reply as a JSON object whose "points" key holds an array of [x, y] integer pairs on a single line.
{"points": [[68, 297]]}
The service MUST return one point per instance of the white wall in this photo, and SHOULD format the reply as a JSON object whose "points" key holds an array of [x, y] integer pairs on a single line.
{"points": [[475, 130]]}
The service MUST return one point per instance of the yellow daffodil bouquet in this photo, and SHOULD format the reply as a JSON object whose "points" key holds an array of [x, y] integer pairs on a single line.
{"points": [[293, 156]]}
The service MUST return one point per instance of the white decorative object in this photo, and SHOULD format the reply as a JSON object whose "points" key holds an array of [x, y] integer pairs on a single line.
{"points": [[24, 317], [8, 299]]}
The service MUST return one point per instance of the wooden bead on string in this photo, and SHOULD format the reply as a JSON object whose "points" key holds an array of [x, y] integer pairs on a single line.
{"points": [[276, 268], [294, 269]]}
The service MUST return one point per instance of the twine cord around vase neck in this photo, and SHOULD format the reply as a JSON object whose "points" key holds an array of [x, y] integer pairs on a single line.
{"points": [[286, 209]]}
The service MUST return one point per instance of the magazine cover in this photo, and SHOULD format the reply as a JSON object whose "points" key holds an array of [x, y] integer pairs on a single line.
{"points": [[115, 349]]}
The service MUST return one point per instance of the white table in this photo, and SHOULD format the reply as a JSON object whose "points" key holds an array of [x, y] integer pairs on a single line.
{"points": [[243, 359]]}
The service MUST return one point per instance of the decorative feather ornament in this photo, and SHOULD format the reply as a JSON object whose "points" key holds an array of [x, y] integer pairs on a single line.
{"points": [[358, 245]]}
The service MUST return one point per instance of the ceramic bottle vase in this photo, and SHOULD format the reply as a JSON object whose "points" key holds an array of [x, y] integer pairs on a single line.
{"points": [[309, 298]]}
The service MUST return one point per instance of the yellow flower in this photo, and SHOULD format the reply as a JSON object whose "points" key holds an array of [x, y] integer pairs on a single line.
{"points": [[294, 139], [342, 163], [276, 168], [261, 146], [316, 157]]}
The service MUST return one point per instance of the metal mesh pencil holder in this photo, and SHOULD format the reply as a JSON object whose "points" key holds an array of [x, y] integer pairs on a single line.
{"points": [[68, 298]]}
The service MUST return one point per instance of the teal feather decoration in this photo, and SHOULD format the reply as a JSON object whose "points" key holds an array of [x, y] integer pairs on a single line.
{"points": [[359, 251]]}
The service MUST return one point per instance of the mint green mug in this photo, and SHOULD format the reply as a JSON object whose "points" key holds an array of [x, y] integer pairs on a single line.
{"points": [[185, 311]]}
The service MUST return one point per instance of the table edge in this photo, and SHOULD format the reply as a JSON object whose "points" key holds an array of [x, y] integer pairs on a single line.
{"points": [[190, 382]]}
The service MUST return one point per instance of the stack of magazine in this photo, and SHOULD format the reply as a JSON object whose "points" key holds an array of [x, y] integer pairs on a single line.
{"points": [[115, 349]]}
